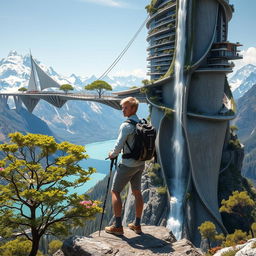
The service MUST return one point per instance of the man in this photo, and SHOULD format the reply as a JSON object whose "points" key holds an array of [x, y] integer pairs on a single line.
{"points": [[128, 170]]}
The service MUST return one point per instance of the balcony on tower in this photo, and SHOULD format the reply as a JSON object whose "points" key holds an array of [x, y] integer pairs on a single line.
{"points": [[221, 53], [225, 50]]}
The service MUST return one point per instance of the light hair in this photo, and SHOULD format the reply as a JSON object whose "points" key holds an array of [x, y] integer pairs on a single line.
{"points": [[132, 100]]}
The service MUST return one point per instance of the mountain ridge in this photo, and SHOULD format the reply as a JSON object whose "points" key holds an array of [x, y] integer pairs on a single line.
{"points": [[77, 121], [243, 80], [15, 73]]}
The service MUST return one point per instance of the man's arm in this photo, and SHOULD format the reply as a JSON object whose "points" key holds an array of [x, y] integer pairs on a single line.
{"points": [[124, 131]]}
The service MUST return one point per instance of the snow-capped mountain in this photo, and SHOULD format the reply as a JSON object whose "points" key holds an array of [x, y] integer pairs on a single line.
{"points": [[15, 73], [77, 121], [243, 80]]}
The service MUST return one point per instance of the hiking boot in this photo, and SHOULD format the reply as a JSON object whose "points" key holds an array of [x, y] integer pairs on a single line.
{"points": [[114, 230], [136, 229]]}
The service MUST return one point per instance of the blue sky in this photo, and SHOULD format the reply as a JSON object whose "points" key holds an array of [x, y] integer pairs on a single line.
{"points": [[85, 36]]}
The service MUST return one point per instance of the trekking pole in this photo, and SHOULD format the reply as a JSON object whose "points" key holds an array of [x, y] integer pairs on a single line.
{"points": [[113, 162]]}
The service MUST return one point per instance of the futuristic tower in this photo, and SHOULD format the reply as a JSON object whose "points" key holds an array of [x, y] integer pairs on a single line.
{"points": [[207, 103]]}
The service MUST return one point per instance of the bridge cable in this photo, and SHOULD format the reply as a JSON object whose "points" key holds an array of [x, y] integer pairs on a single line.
{"points": [[124, 51]]}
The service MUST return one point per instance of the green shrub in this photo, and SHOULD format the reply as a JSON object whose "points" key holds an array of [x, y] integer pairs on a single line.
{"points": [[144, 90], [219, 238], [231, 252], [17, 247], [237, 237], [154, 172], [233, 128], [234, 144], [242, 206], [54, 246], [162, 190]]}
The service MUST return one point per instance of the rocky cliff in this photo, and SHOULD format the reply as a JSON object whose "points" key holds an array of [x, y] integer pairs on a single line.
{"points": [[246, 123]]}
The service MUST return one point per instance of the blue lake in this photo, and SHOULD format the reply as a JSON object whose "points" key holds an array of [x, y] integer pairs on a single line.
{"points": [[97, 152]]}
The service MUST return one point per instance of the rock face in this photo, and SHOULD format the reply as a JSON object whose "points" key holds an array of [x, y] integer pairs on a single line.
{"points": [[156, 206], [154, 240], [247, 249]]}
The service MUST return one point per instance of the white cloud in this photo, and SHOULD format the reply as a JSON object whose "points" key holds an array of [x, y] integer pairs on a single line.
{"points": [[249, 57], [135, 72], [112, 3]]}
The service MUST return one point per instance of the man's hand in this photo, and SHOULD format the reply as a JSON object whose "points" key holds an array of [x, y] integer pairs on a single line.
{"points": [[110, 155]]}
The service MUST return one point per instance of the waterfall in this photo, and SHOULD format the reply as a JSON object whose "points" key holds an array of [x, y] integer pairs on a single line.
{"points": [[177, 183]]}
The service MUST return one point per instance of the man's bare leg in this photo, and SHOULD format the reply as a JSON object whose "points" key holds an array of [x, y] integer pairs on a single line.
{"points": [[117, 207], [138, 203], [116, 229]]}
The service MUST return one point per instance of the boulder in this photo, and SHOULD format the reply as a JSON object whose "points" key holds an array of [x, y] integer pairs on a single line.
{"points": [[246, 249]]}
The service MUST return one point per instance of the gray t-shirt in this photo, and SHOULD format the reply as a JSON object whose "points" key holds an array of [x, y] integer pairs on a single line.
{"points": [[126, 133]]}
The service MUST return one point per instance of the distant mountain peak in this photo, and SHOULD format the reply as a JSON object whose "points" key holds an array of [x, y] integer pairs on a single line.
{"points": [[243, 80], [15, 73], [13, 53], [249, 66]]}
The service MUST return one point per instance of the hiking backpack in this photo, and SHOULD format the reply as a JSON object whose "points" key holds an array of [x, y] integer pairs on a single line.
{"points": [[144, 141]]}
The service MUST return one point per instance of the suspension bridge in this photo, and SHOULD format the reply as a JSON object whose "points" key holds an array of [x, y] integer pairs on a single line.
{"points": [[58, 99]]}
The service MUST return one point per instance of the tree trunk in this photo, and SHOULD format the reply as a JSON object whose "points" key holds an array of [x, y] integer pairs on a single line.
{"points": [[35, 246], [209, 243], [252, 233], [100, 93], [34, 233]]}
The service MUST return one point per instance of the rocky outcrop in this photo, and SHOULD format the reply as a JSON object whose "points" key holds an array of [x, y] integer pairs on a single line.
{"points": [[247, 249], [154, 240]]}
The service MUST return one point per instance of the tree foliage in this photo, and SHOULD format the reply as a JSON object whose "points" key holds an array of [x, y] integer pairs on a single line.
{"points": [[233, 128], [253, 228], [208, 231], [99, 86], [241, 205], [22, 89], [150, 8], [145, 82], [235, 238], [17, 247], [66, 87], [54, 246], [219, 238], [39, 173]]}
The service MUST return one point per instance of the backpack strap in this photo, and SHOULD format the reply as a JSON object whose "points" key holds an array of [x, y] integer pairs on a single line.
{"points": [[130, 121]]}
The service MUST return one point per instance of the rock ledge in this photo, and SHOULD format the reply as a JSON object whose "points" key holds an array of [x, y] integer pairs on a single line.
{"points": [[155, 240]]}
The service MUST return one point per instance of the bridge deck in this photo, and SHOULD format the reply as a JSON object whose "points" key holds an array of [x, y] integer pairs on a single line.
{"points": [[31, 99]]}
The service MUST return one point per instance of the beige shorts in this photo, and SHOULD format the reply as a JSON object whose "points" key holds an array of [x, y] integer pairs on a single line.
{"points": [[125, 174]]}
